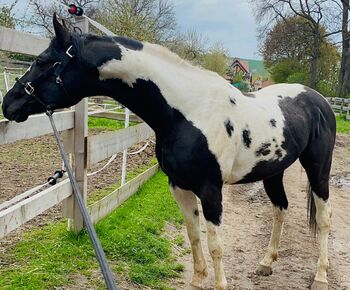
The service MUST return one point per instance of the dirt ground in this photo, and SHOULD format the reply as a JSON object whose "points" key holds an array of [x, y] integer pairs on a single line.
{"points": [[246, 230]]}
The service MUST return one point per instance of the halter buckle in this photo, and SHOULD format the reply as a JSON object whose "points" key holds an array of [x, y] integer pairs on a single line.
{"points": [[68, 52], [29, 89]]}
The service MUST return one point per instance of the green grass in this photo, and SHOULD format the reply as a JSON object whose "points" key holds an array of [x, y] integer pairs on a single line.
{"points": [[107, 124], [100, 193], [343, 126], [132, 237]]}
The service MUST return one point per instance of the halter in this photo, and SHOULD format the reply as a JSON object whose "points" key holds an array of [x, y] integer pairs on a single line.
{"points": [[56, 70]]}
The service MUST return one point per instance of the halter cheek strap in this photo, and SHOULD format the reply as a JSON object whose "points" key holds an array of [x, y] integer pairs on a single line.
{"points": [[56, 70]]}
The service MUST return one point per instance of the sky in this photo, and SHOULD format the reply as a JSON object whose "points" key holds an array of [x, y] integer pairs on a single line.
{"points": [[230, 22]]}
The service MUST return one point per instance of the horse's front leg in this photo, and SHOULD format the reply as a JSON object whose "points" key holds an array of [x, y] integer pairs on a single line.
{"points": [[216, 251], [211, 198], [188, 204]]}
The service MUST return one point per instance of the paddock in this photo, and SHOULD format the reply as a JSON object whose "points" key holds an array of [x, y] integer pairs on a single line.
{"points": [[247, 219]]}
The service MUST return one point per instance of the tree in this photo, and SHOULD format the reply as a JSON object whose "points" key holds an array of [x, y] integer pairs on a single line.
{"points": [[344, 71], [215, 59], [6, 16], [313, 11], [148, 20], [190, 45], [44, 10], [287, 39], [287, 50]]}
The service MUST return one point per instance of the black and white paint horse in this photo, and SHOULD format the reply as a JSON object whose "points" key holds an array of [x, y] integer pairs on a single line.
{"points": [[208, 133]]}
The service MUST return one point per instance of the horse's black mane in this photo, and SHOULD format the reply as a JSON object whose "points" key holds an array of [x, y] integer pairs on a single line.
{"points": [[79, 41]]}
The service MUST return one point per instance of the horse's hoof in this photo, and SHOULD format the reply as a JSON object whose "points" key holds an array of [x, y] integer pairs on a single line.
{"points": [[193, 287], [317, 285], [198, 278], [222, 287], [264, 270]]}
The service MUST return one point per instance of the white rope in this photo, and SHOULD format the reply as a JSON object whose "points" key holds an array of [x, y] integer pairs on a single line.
{"points": [[22, 196], [98, 171], [140, 150], [114, 156]]}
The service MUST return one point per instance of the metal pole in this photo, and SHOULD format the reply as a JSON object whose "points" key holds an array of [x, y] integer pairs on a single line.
{"points": [[107, 274]]}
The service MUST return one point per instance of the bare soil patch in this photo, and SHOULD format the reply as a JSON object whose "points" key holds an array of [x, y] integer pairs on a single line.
{"points": [[28, 163]]}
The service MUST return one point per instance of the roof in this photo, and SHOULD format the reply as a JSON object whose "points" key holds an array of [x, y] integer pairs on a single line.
{"points": [[241, 63]]}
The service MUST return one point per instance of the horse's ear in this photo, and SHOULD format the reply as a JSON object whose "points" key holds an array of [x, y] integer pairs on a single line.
{"points": [[62, 34]]}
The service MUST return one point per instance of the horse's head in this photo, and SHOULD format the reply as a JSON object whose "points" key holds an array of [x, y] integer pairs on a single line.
{"points": [[57, 79]]}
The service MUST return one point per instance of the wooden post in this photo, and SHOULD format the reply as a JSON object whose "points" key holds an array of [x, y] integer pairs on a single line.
{"points": [[71, 208]]}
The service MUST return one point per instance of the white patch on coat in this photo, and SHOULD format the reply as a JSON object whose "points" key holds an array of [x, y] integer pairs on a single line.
{"points": [[203, 97], [323, 220]]}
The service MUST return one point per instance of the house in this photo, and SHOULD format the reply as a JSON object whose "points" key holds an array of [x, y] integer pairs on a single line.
{"points": [[248, 73]]}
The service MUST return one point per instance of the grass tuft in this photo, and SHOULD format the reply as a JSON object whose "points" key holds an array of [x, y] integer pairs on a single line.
{"points": [[106, 124], [343, 125]]}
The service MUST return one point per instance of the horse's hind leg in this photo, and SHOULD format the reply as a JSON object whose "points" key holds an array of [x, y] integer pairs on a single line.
{"points": [[316, 160], [188, 204], [275, 190]]}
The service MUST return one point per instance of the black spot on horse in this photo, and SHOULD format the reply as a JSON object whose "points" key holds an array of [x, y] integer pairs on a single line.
{"points": [[229, 127], [129, 43], [278, 153], [263, 150], [274, 140], [196, 212], [232, 100], [273, 122], [246, 138]]}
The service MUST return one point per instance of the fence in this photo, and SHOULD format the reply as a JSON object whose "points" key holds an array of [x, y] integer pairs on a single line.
{"points": [[340, 106], [85, 151]]}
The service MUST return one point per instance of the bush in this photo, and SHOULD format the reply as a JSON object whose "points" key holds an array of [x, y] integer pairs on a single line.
{"points": [[285, 68], [299, 78], [326, 89]]}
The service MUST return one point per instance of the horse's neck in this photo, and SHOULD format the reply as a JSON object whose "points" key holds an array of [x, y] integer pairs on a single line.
{"points": [[153, 80]]}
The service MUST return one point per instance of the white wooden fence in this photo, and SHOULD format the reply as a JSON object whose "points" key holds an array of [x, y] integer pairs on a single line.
{"points": [[86, 151], [340, 106]]}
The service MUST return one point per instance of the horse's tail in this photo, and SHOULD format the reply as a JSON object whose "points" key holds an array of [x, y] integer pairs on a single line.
{"points": [[311, 209]]}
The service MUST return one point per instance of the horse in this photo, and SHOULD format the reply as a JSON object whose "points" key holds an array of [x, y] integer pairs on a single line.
{"points": [[207, 132]]}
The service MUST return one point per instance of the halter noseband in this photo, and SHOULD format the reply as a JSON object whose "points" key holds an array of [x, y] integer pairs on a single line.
{"points": [[56, 70]]}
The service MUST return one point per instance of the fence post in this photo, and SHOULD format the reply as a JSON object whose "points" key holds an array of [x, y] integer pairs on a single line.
{"points": [[125, 152], [79, 148]]}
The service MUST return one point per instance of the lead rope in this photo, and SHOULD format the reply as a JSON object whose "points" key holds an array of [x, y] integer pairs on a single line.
{"points": [[107, 274]]}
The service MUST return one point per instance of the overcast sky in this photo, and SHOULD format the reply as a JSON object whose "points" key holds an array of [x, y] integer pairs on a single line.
{"points": [[228, 21]]}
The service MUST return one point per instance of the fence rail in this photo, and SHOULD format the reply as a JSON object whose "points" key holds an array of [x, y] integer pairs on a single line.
{"points": [[84, 149], [35, 126], [340, 106], [105, 145]]}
